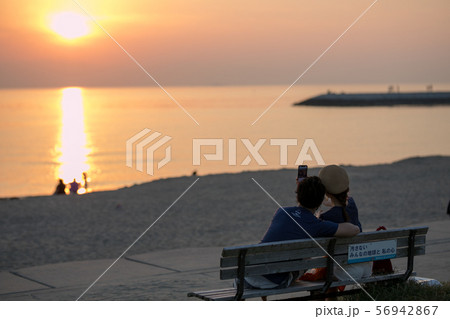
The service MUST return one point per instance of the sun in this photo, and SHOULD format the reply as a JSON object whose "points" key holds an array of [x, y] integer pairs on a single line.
{"points": [[70, 25]]}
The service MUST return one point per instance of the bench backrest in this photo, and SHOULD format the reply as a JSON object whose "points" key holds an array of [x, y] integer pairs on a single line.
{"points": [[294, 255]]}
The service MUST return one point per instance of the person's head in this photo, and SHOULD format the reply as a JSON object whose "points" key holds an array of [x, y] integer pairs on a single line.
{"points": [[335, 179], [336, 182], [310, 193]]}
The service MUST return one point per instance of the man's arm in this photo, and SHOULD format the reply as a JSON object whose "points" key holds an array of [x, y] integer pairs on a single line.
{"points": [[346, 230]]}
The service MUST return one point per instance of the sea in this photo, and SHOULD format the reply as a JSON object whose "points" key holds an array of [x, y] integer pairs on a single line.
{"points": [[123, 136]]}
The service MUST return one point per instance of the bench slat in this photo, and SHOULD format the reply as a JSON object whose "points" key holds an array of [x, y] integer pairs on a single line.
{"points": [[275, 246], [273, 256], [277, 267], [218, 294], [226, 296], [382, 235]]}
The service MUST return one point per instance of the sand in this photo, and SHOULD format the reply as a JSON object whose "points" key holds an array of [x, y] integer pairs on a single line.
{"points": [[219, 210]]}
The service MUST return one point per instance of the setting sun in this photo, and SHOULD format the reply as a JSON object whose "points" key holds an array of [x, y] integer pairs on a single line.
{"points": [[70, 25]]}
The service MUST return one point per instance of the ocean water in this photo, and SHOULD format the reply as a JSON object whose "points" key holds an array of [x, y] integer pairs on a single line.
{"points": [[47, 134]]}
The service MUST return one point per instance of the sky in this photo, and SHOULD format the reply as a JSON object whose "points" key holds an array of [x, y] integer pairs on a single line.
{"points": [[233, 42]]}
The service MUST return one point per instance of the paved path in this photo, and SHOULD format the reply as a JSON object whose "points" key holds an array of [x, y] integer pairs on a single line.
{"points": [[166, 275]]}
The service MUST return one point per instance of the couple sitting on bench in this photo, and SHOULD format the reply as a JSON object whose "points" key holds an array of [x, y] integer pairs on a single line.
{"points": [[300, 222]]}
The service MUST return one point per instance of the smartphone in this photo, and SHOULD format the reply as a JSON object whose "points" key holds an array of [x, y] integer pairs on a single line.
{"points": [[302, 172]]}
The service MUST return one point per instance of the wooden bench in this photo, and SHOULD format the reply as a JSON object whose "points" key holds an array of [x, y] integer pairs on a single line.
{"points": [[294, 255]]}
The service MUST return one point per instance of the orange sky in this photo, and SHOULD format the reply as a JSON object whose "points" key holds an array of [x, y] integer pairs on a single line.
{"points": [[232, 42]]}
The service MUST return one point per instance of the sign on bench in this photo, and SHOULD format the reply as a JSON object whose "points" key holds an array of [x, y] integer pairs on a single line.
{"points": [[377, 250]]}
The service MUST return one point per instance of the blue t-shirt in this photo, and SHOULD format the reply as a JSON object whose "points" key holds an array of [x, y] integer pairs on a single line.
{"points": [[335, 214], [284, 227]]}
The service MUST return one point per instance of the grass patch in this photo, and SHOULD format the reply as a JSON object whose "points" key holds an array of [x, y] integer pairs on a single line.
{"points": [[406, 291]]}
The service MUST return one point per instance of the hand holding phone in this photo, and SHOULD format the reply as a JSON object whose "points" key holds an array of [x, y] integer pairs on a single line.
{"points": [[302, 172]]}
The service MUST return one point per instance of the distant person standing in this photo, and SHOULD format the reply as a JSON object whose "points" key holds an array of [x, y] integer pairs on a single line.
{"points": [[60, 188], [74, 186], [85, 178]]}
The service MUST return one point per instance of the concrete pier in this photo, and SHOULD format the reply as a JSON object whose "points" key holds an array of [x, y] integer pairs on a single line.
{"points": [[378, 99]]}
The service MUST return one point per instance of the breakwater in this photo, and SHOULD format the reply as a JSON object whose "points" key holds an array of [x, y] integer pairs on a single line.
{"points": [[378, 99]]}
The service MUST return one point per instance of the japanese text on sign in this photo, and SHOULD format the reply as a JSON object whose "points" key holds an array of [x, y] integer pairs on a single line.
{"points": [[377, 250]]}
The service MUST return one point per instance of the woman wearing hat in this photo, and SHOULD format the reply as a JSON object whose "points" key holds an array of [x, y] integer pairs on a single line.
{"points": [[343, 209]]}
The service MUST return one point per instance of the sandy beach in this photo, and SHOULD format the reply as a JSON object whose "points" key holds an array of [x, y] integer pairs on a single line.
{"points": [[218, 211]]}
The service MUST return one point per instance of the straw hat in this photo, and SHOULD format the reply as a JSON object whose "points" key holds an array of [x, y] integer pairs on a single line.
{"points": [[334, 178]]}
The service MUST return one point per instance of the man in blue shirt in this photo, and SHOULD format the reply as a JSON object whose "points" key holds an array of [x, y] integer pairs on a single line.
{"points": [[299, 223]]}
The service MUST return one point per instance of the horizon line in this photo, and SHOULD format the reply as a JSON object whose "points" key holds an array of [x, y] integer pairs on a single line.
{"points": [[387, 84]]}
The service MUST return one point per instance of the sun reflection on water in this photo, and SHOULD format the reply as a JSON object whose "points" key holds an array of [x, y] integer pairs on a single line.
{"points": [[73, 159]]}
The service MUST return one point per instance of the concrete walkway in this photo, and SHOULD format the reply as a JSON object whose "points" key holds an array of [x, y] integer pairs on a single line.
{"points": [[166, 275]]}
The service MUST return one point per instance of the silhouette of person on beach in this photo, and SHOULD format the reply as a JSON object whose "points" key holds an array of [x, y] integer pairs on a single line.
{"points": [[60, 188], [74, 186], [85, 179]]}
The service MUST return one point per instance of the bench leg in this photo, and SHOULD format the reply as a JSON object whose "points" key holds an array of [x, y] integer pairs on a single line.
{"points": [[314, 293], [333, 290]]}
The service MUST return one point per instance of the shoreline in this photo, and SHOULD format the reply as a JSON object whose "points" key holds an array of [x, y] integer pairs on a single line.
{"points": [[21, 197], [219, 210]]}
